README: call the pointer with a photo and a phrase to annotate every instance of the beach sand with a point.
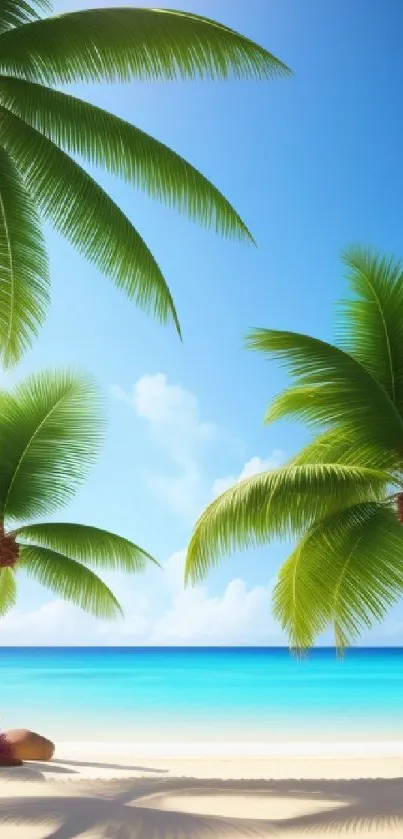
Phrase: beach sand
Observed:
(131, 791)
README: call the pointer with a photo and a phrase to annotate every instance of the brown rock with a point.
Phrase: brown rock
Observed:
(6, 758)
(26, 745)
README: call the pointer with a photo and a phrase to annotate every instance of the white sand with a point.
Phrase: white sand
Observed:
(208, 791)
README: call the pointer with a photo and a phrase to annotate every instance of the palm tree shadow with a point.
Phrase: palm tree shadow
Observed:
(360, 803)
(124, 809)
(367, 802)
(113, 814)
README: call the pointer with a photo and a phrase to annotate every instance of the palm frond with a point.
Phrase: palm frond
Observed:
(24, 279)
(83, 212)
(121, 43)
(370, 325)
(17, 12)
(344, 390)
(280, 503)
(293, 403)
(69, 580)
(8, 590)
(344, 445)
(124, 150)
(347, 571)
(50, 432)
(89, 545)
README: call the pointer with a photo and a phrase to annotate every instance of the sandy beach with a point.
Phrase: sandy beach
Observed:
(113, 791)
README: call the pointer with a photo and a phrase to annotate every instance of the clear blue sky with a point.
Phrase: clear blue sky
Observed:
(312, 164)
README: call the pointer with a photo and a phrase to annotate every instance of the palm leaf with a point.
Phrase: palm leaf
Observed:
(124, 150)
(280, 503)
(89, 545)
(7, 590)
(24, 281)
(50, 431)
(16, 12)
(342, 445)
(347, 572)
(86, 216)
(294, 403)
(344, 390)
(370, 326)
(122, 43)
(69, 580)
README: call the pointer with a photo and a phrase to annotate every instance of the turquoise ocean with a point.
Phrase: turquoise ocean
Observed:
(202, 694)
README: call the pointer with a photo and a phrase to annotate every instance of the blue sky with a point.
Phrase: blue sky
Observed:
(312, 164)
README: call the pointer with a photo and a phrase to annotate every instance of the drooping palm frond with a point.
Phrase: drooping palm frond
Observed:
(8, 590)
(40, 127)
(83, 212)
(282, 503)
(24, 279)
(122, 149)
(16, 12)
(50, 431)
(69, 580)
(344, 390)
(89, 545)
(347, 571)
(370, 325)
(119, 44)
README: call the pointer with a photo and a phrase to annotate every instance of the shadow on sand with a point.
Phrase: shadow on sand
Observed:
(123, 809)
(108, 766)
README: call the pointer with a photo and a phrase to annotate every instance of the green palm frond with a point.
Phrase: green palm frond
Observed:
(370, 325)
(122, 149)
(50, 431)
(83, 212)
(281, 503)
(7, 590)
(343, 445)
(89, 545)
(40, 128)
(24, 279)
(69, 580)
(294, 403)
(347, 572)
(122, 43)
(344, 390)
(17, 12)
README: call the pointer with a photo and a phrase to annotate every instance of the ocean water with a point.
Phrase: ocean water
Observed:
(198, 694)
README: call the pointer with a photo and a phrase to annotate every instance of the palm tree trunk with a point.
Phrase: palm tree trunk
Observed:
(8, 550)
(400, 507)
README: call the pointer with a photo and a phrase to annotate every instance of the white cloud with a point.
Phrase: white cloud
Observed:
(252, 467)
(55, 621)
(172, 413)
(159, 611)
(174, 422)
(241, 615)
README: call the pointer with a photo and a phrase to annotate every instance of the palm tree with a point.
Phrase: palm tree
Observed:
(341, 497)
(41, 127)
(50, 431)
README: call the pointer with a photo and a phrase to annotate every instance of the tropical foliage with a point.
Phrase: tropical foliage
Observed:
(50, 431)
(340, 498)
(44, 130)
